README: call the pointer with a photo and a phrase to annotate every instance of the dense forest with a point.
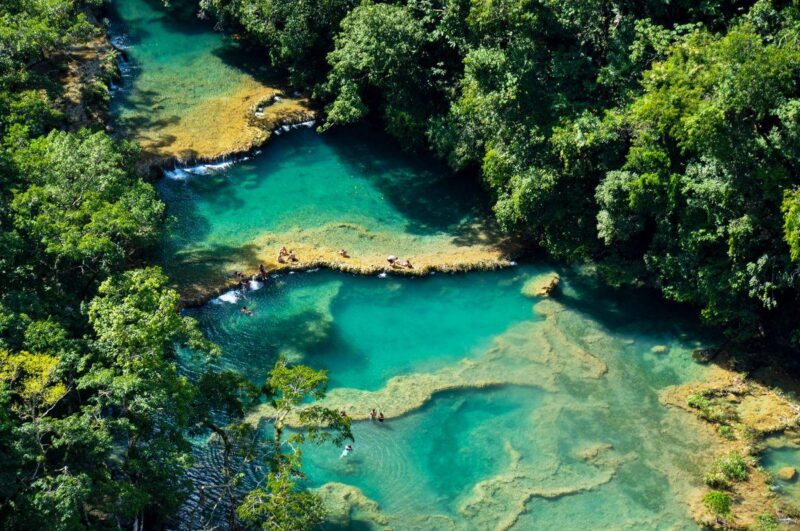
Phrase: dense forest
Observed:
(658, 141)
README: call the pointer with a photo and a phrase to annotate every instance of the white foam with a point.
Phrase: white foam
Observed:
(255, 284)
(231, 297)
(181, 174)
(288, 127)
(382, 275)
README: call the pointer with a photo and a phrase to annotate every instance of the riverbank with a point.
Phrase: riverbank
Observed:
(740, 411)
(218, 274)
(189, 94)
(222, 127)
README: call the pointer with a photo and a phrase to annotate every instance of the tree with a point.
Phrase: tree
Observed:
(379, 55)
(278, 503)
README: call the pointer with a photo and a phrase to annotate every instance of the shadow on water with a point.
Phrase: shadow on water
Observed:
(424, 190)
(617, 309)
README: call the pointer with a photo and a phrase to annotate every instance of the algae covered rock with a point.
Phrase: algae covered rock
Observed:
(787, 473)
(541, 285)
(704, 355)
(659, 349)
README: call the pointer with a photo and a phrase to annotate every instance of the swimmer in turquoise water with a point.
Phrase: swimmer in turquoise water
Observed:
(346, 451)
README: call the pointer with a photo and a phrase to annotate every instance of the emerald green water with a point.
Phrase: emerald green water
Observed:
(534, 414)
(425, 469)
(181, 80)
(364, 330)
(350, 189)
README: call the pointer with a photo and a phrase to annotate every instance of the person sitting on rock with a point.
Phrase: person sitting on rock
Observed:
(292, 257)
(343, 253)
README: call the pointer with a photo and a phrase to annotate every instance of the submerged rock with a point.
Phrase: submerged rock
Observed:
(704, 355)
(787, 473)
(541, 285)
(659, 349)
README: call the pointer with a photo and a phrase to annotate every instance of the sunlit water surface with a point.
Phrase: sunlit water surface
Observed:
(569, 450)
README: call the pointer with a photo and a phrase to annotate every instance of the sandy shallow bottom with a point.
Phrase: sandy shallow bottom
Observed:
(189, 93)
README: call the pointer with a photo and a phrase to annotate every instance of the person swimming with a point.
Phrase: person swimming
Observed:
(346, 451)
(380, 416)
(247, 311)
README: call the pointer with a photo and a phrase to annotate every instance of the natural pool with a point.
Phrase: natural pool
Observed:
(570, 434)
(316, 194)
(502, 410)
(187, 91)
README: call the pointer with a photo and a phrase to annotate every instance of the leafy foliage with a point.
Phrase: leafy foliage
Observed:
(656, 140)
(717, 502)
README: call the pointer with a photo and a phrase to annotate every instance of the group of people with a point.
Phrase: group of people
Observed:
(285, 256)
(396, 262)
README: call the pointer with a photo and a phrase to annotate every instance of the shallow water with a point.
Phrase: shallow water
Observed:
(364, 329)
(350, 189)
(183, 83)
(782, 452)
(571, 448)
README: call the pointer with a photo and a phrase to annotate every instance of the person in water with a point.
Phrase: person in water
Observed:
(247, 311)
(346, 451)
(380, 416)
(373, 414)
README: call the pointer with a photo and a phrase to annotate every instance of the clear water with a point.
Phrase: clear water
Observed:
(364, 330)
(532, 415)
(450, 463)
(185, 85)
(783, 452)
(349, 189)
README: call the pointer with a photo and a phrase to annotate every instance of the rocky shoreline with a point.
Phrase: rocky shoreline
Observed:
(740, 411)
